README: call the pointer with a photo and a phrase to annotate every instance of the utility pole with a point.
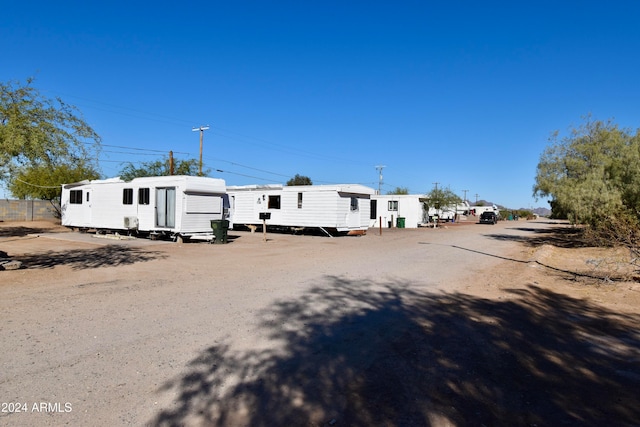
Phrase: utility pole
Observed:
(436, 184)
(476, 199)
(170, 162)
(465, 195)
(379, 168)
(201, 129)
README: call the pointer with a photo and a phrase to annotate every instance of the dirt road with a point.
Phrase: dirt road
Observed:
(465, 325)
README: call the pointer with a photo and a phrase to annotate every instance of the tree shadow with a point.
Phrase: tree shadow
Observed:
(81, 259)
(366, 353)
(19, 231)
(562, 237)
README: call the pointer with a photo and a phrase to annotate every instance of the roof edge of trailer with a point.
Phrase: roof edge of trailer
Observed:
(342, 188)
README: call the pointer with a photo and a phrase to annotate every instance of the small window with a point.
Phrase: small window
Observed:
(143, 196)
(88, 196)
(299, 200)
(75, 197)
(127, 196)
(354, 203)
(274, 202)
(393, 205)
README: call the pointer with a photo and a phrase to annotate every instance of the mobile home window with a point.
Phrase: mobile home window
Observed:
(354, 203)
(75, 197)
(393, 205)
(274, 202)
(127, 196)
(88, 196)
(143, 196)
(299, 200)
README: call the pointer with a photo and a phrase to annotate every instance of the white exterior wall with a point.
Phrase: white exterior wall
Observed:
(326, 206)
(409, 207)
(199, 210)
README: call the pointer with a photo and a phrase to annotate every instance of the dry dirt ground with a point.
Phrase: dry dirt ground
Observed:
(512, 324)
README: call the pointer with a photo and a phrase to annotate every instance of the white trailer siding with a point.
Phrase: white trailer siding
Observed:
(172, 205)
(341, 207)
(391, 206)
(200, 209)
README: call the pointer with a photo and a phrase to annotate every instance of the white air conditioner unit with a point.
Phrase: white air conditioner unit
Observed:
(130, 222)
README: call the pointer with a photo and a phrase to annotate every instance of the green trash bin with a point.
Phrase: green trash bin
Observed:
(400, 222)
(220, 228)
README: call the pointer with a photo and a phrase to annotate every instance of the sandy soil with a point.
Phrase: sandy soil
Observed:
(512, 324)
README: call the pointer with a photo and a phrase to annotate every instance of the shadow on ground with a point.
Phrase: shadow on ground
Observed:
(562, 237)
(365, 353)
(80, 259)
(19, 231)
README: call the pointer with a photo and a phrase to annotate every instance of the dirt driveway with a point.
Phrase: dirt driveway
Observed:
(512, 324)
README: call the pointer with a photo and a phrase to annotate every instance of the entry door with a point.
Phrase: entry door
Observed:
(353, 217)
(88, 199)
(166, 207)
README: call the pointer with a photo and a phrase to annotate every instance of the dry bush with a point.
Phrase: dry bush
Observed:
(616, 231)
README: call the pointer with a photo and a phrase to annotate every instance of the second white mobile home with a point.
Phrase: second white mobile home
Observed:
(389, 207)
(342, 209)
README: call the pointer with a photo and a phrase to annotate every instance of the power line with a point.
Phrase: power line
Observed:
(250, 167)
(280, 147)
(145, 114)
(246, 176)
(34, 185)
(129, 153)
(216, 130)
(141, 149)
(146, 151)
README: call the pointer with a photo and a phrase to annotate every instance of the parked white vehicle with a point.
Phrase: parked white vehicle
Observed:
(178, 207)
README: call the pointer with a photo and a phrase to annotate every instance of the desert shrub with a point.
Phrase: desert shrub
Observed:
(621, 230)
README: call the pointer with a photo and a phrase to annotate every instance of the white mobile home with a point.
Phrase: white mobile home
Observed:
(451, 212)
(386, 209)
(331, 208)
(165, 206)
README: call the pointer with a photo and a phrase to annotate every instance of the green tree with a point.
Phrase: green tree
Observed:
(161, 168)
(399, 190)
(299, 180)
(44, 182)
(441, 197)
(592, 174)
(39, 132)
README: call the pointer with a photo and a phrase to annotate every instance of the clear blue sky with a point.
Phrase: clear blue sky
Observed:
(462, 93)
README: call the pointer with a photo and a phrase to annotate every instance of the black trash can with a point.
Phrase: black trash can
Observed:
(220, 229)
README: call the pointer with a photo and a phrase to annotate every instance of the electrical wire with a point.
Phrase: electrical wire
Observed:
(220, 132)
(35, 185)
